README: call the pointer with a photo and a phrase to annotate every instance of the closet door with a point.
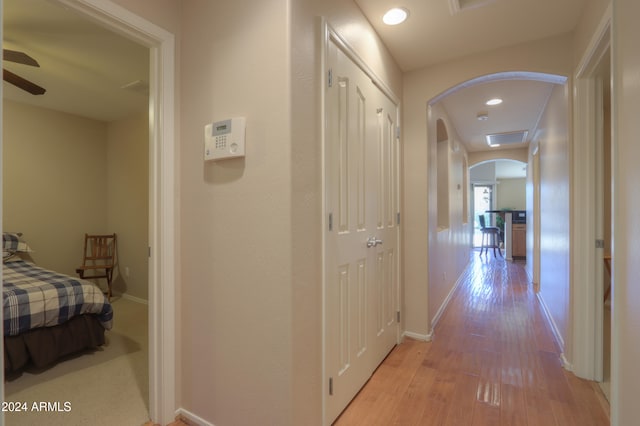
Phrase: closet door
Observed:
(361, 255)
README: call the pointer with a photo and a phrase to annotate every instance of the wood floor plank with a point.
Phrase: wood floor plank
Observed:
(538, 406)
(493, 361)
(460, 409)
(512, 408)
(485, 415)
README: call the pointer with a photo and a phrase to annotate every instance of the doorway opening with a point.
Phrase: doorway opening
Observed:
(592, 204)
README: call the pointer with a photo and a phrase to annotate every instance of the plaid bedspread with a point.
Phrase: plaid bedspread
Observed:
(34, 297)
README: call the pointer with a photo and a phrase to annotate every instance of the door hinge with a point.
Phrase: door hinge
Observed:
(330, 78)
(599, 243)
(397, 132)
(330, 385)
(330, 221)
(149, 252)
(398, 218)
(398, 316)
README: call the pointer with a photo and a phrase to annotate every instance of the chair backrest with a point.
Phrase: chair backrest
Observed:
(99, 250)
(482, 222)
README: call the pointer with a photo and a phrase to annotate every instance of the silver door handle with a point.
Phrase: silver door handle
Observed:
(373, 241)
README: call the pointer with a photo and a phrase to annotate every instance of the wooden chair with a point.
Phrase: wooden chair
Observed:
(99, 258)
(490, 237)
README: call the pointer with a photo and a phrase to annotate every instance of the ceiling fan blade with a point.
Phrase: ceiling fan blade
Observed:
(19, 57)
(23, 84)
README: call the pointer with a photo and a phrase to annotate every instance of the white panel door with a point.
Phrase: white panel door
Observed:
(361, 259)
(386, 229)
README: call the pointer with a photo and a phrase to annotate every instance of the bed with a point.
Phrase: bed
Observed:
(47, 315)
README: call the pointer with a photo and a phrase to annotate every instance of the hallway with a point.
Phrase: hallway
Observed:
(493, 361)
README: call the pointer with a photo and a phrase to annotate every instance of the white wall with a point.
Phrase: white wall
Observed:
(250, 287)
(517, 154)
(511, 194)
(483, 173)
(128, 201)
(553, 140)
(236, 279)
(54, 181)
(626, 199)
(448, 247)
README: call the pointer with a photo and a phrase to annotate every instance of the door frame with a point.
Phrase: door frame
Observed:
(162, 217)
(586, 260)
(534, 253)
(330, 35)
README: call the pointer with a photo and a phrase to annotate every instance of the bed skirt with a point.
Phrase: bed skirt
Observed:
(41, 347)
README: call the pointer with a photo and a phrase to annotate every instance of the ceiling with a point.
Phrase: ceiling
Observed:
(443, 30)
(523, 102)
(84, 66)
(433, 34)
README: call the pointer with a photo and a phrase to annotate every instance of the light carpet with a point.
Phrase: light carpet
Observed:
(108, 386)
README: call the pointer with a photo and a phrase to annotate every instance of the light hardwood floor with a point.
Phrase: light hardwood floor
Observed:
(493, 361)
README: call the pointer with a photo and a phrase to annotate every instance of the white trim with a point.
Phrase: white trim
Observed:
(586, 264)
(133, 298)
(416, 336)
(598, 45)
(324, 47)
(191, 418)
(162, 217)
(333, 36)
(500, 76)
(445, 303)
(552, 324)
(565, 362)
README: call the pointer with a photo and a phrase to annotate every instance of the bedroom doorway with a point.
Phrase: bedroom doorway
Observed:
(161, 220)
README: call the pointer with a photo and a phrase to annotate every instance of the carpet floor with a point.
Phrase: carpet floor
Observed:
(108, 386)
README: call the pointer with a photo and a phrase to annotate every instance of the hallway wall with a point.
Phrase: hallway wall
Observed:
(626, 198)
(449, 247)
(249, 330)
(553, 141)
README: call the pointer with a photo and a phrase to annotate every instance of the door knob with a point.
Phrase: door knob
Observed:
(373, 241)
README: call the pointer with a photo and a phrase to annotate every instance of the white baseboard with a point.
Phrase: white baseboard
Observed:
(134, 298)
(565, 362)
(554, 328)
(191, 418)
(416, 336)
(446, 301)
(429, 337)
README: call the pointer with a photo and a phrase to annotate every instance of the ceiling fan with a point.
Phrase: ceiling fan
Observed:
(16, 80)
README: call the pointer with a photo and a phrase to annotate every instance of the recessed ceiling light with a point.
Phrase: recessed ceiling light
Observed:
(395, 16)
(495, 101)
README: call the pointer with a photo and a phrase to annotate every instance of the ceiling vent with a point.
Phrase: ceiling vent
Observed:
(457, 6)
(507, 138)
